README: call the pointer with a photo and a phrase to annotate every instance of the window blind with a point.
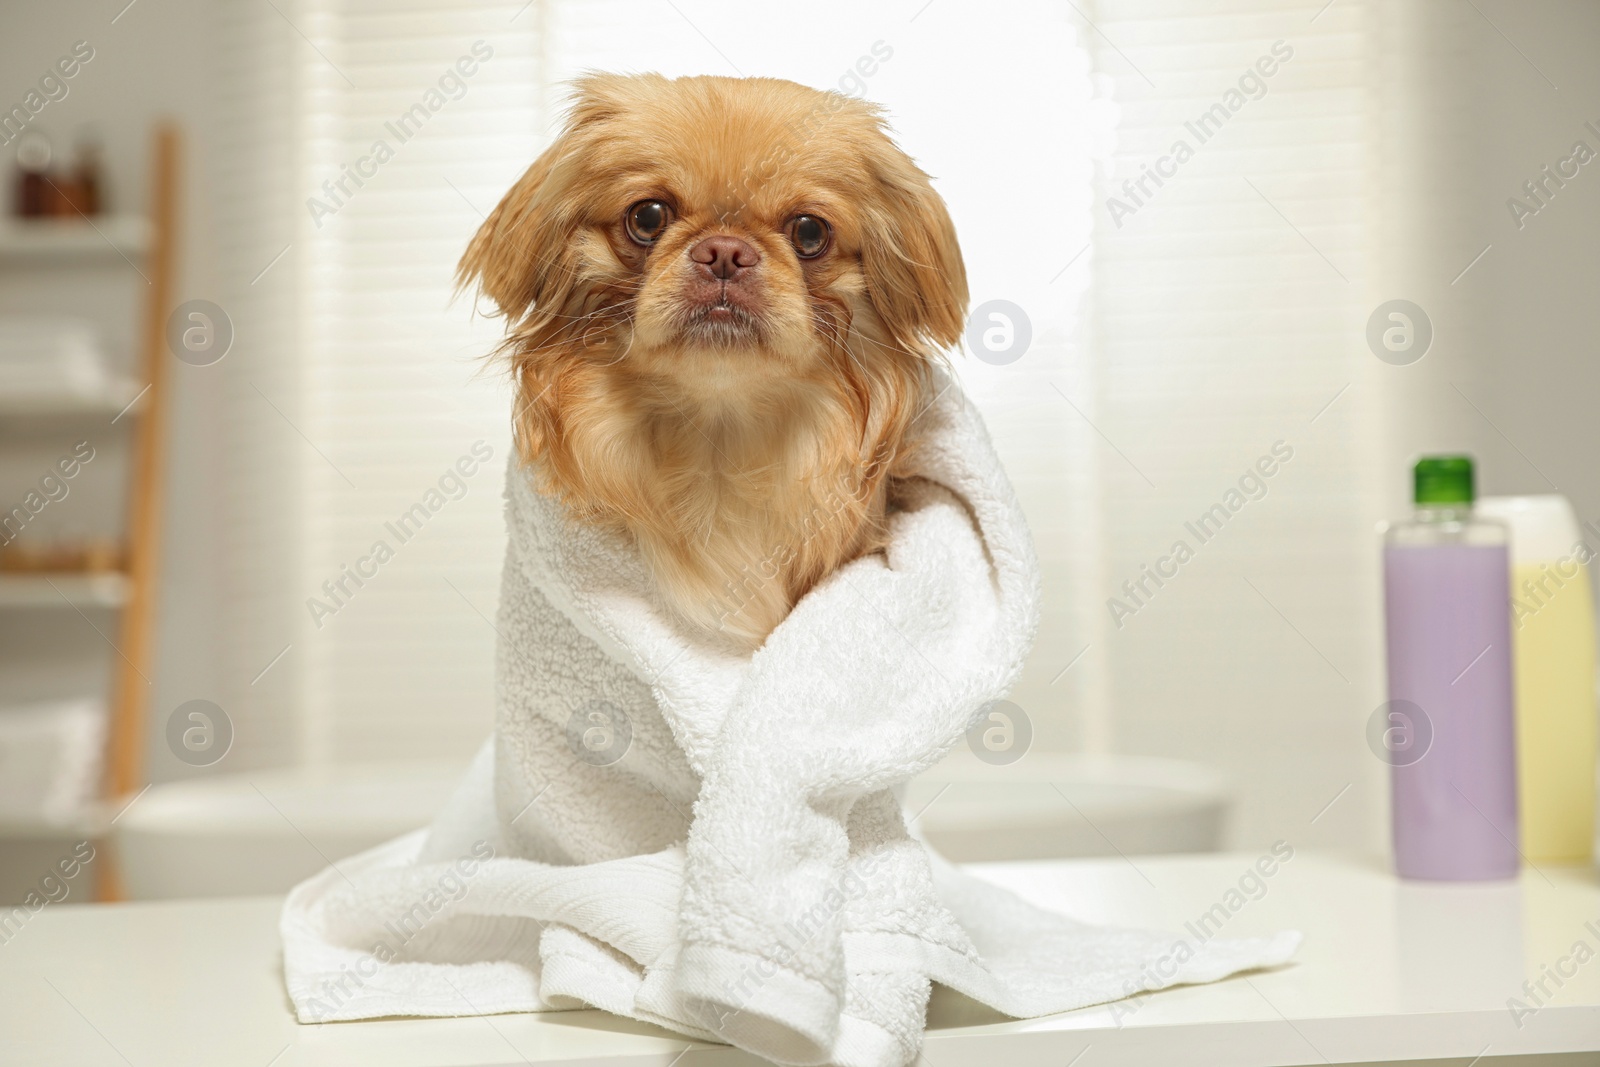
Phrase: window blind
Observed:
(1229, 303)
(370, 437)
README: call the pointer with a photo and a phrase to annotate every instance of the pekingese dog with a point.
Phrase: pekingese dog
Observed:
(725, 301)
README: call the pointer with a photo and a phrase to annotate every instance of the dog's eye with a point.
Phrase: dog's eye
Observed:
(810, 236)
(647, 220)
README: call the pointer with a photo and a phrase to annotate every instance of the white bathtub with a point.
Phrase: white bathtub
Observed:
(245, 834)
(1053, 806)
(238, 835)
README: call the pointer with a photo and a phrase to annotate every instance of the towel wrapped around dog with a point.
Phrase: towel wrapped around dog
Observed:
(676, 832)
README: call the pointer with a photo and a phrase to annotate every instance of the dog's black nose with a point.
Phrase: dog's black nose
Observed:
(724, 257)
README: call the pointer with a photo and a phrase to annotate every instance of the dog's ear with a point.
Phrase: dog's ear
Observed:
(518, 245)
(915, 277)
(520, 256)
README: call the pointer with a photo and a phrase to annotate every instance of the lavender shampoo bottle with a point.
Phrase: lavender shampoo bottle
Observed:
(1448, 729)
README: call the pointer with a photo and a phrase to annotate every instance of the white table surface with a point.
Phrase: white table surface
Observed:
(1388, 971)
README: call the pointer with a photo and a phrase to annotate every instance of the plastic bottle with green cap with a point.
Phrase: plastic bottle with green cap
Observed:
(1448, 730)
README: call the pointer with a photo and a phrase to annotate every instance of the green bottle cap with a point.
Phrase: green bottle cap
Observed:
(1443, 480)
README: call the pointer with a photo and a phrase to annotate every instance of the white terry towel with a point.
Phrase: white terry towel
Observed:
(793, 915)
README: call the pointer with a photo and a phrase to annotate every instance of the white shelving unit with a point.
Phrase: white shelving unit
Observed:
(111, 399)
(58, 239)
(91, 823)
(62, 251)
(64, 243)
(117, 271)
(70, 590)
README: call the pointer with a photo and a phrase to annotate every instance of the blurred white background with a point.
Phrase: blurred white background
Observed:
(1173, 345)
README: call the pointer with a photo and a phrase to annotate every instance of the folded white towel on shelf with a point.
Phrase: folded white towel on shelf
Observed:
(677, 833)
(50, 355)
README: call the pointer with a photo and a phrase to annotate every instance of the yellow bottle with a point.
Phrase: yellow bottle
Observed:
(1554, 655)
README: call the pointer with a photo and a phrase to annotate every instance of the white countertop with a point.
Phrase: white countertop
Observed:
(1388, 971)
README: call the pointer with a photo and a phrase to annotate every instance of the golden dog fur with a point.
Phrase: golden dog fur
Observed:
(748, 446)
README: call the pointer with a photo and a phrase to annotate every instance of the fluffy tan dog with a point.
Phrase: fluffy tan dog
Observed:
(724, 300)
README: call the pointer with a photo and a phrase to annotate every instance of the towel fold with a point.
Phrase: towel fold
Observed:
(669, 830)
